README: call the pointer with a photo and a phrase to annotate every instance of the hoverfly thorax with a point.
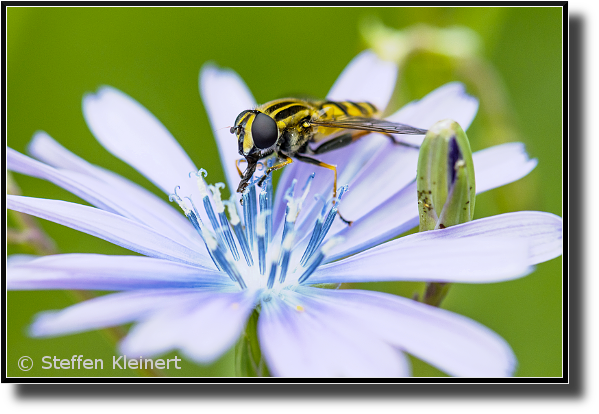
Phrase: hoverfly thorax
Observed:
(255, 131)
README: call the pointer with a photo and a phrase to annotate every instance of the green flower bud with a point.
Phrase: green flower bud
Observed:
(446, 190)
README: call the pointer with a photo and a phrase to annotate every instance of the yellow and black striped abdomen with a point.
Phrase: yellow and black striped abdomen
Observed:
(332, 110)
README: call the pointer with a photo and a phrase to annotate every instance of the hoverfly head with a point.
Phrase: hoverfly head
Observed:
(255, 131)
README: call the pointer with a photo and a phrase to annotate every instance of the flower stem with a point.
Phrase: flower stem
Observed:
(248, 356)
(27, 233)
(434, 293)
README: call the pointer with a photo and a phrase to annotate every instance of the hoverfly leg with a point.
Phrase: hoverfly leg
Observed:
(247, 175)
(348, 222)
(331, 167)
(261, 180)
(275, 167)
(237, 167)
(339, 142)
(404, 144)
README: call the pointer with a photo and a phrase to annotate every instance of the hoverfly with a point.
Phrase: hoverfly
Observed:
(285, 127)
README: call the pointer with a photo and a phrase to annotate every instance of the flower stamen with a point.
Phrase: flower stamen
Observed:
(326, 248)
(262, 244)
(238, 229)
(223, 226)
(250, 211)
(256, 239)
(285, 255)
(322, 226)
(220, 255)
(193, 216)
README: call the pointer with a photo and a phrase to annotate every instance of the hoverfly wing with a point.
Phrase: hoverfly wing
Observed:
(371, 124)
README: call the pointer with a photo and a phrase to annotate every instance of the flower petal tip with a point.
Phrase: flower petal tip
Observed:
(41, 326)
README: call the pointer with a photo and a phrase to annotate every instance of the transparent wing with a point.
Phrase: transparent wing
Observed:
(371, 124)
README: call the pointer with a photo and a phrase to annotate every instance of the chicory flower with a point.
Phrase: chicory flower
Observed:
(198, 280)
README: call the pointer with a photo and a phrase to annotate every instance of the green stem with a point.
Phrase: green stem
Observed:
(248, 356)
(435, 293)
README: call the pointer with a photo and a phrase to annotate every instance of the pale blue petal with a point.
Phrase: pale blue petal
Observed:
(282, 346)
(392, 168)
(467, 260)
(391, 218)
(130, 132)
(366, 79)
(110, 310)
(451, 342)
(103, 272)
(46, 149)
(108, 226)
(449, 101)
(203, 329)
(19, 259)
(311, 342)
(501, 165)
(541, 231)
(103, 196)
(217, 325)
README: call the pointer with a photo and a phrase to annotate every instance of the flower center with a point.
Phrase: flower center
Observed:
(274, 259)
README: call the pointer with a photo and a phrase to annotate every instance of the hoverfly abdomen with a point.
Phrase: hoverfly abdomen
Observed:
(334, 110)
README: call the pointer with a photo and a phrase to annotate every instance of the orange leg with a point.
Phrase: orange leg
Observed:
(275, 167)
(237, 166)
(331, 167)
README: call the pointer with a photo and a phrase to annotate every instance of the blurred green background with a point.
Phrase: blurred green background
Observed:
(55, 55)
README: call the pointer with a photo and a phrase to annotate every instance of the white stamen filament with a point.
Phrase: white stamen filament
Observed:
(216, 198)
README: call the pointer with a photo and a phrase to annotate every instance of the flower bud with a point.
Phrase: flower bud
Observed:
(446, 190)
(445, 185)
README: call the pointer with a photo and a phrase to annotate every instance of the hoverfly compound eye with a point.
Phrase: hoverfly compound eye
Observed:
(264, 131)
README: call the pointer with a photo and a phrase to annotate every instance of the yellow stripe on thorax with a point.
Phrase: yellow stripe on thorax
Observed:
(248, 141)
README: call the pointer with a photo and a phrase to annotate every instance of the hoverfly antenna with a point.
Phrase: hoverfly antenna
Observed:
(231, 128)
